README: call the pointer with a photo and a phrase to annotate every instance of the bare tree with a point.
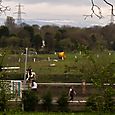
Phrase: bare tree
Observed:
(3, 8)
(99, 14)
(111, 5)
(112, 10)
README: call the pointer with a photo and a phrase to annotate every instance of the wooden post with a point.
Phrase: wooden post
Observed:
(83, 87)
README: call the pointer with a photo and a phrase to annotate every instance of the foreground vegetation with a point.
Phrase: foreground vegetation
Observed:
(95, 67)
(58, 113)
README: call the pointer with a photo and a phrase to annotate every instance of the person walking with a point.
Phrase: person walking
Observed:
(72, 93)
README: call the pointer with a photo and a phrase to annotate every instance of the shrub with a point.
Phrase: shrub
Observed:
(91, 105)
(47, 101)
(5, 95)
(100, 103)
(63, 103)
(30, 100)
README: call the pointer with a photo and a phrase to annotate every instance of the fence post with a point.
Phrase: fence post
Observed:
(83, 85)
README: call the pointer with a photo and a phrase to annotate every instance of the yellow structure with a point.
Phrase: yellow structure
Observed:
(61, 55)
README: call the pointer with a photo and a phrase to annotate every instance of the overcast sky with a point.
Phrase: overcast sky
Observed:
(62, 12)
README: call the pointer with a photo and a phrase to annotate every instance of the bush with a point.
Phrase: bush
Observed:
(3, 101)
(91, 105)
(47, 101)
(63, 103)
(5, 95)
(100, 103)
(30, 100)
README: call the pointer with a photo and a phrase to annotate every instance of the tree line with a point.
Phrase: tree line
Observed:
(65, 38)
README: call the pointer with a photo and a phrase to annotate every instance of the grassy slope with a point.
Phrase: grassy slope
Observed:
(42, 68)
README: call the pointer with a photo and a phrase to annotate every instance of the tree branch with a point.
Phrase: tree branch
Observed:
(3, 9)
(99, 15)
(112, 7)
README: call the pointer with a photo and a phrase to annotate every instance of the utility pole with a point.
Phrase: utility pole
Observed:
(25, 67)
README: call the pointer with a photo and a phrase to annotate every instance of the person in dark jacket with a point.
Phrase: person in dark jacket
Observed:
(72, 93)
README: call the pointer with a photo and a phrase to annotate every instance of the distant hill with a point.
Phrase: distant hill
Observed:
(57, 22)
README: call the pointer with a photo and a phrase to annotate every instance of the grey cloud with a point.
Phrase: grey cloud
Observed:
(70, 2)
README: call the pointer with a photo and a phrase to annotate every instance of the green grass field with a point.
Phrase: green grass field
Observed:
(42, 66)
